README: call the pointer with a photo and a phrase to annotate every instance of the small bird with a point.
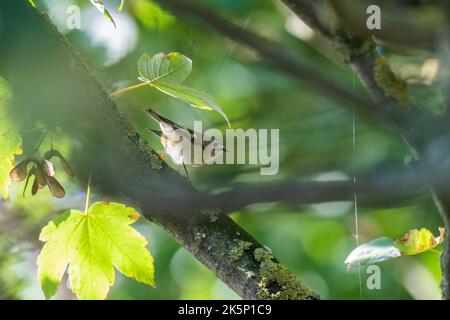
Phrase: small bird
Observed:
(172, 136)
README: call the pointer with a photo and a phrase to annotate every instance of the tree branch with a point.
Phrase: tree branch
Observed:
(53, 86)
(391, 190)
(389, 117)
(359, 54)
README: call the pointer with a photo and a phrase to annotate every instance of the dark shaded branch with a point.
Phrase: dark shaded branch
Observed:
(269, 50)
(396, 32)
(276, 57)
(385, 111)
(381, 192)
(53, 86)
(360, 55)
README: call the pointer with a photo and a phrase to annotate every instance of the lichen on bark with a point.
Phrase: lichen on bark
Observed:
(351, 47)
(277, 282)
(237, 251)
(391, 85)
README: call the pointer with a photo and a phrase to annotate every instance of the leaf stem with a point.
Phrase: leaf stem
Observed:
(41, 139)
(122, 90)
(51, 139)
(88, 194)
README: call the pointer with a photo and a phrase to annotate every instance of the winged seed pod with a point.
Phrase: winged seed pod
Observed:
(66, 166)
(35, 187)
(30, 174)
(55, 187)
(40, 176)
(49, 168)
(39, 181)
(43, 172)
(19, 172)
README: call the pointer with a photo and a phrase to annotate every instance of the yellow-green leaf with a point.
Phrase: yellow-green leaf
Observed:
(417, 241)
(150, 15)
(381, 249)
(10, 140)
(120, 8)
(91, 245)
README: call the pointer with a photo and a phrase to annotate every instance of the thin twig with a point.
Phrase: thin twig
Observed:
(393, 190)
(123, 90)
(88, 194)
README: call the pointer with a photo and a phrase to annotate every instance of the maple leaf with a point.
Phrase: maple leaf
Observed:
(417, 241)
(91, 244)
(10, 140)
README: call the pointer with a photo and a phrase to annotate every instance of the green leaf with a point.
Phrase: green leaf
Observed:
(173, 67)
(166, 72)
(10, 140)
(120, 8)
(101, 7)
(91, 245)
(150, 15)
(417, 241)
(375, 251)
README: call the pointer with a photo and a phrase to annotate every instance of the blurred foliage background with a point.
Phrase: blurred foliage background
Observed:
(315, 143)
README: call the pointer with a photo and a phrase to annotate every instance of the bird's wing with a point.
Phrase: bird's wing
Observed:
(159, 118)
(156, 132)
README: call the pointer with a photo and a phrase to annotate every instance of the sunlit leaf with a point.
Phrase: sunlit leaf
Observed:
(166, 72)
(151, 15)
(120, 8)
(101, 7)
(413, 242)
(418, 241)
(91, 245)
(173, 67)
(195, 97)
(10, 140)
(375, 251)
